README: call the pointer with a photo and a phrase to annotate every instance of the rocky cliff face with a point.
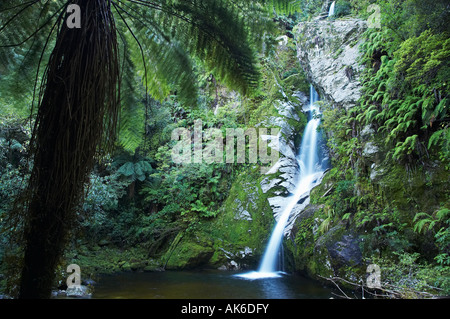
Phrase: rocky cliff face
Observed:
(281, 178)
(328, 51)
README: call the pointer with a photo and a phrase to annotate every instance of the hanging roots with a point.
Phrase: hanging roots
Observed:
(78, 106)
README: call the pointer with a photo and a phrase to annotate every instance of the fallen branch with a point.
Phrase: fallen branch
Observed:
(327, 192)
(388, 290)
(337, 286)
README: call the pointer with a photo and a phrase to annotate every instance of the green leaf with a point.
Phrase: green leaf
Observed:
(126, 169)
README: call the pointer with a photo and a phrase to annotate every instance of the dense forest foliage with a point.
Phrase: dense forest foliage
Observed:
(138, 204)
(402, 207)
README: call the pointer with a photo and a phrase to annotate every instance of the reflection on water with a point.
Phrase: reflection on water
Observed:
(276, 288)
(205, 285)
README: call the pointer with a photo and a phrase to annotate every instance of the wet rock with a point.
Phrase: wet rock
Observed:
(328, 52)
(268, 183)
(79, 292)
(223, 268)
(340, 248)
(287, 109)
(246, 252)
(240, 212)
(370, 151)
(287, 169)
(367, 133)
(88, 282)
(233, 265)
(346, 251)
(228, 254)
(236, 261)
(376, 172)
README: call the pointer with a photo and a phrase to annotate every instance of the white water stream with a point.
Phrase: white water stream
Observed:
(310, 172)
(331, 11)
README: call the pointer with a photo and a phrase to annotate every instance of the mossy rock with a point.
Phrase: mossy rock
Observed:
(246, 217)
(110, 260)
(153, 265)
(336, 252)
(243, 224)
(188, 254)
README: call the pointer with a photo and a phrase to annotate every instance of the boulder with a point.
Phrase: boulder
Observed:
(188, 252)
(339, 250)
(371, 151)
(78, 292)
(346, 251)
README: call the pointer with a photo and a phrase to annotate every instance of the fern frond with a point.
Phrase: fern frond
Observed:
(201, 29)
(443, 213)
(420, 225)
(27, 30)
(325, 225)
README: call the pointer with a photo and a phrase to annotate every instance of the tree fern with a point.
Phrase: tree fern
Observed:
(135, 171)
(80, 95)
(132, 119)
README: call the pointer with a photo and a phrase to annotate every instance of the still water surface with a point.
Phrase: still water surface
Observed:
(205, 285)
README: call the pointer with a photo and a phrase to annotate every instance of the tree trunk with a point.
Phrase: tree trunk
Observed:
(79, 103)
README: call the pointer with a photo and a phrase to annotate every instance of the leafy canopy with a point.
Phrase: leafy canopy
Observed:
(161, 41)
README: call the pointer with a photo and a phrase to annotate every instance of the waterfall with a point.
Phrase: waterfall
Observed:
(331, 12)
(311, 168)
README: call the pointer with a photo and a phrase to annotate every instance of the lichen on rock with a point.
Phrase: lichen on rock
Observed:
(328, 52)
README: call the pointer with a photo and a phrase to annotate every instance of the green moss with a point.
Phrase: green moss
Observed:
(237, 228)
(190, 252)
(302, 244)
(109, 260)
(244, 221)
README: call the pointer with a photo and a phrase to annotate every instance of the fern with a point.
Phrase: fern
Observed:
(426, 222)
(408, 93)
(203, 29)
(442, 214)
(26, 35)
(135, 171)
(161, 36)
(325, 225)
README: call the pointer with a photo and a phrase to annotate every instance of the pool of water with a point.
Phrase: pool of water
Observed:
(207, 284)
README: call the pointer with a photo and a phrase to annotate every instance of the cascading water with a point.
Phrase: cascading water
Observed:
(311, 168)
(331, 11)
